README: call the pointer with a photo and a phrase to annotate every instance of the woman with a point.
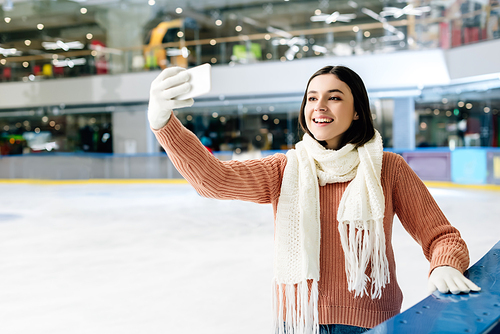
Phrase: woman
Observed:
(334, 198)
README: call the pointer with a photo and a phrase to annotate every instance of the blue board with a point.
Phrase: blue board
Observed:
(468, 166)
(477, 312)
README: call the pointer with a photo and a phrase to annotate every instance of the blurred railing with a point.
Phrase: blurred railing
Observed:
(430, 164)
(476, 312)
(411, 33)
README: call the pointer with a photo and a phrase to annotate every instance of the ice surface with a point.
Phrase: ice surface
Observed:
(146, 258)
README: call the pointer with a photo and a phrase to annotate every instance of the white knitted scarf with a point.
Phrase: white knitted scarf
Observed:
(297, 234)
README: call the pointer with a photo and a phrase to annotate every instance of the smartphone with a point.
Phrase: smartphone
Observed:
(200, 80)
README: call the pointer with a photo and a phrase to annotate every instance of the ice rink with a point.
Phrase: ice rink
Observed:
(158, 258)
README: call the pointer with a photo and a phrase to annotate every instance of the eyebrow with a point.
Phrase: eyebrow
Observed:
(330, 91)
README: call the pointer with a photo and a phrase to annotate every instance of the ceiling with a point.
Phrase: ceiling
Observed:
(64, 20)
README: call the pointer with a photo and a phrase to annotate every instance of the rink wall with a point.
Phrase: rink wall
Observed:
(462, 165)
(468, 166)
(88, 166)
(477, 312)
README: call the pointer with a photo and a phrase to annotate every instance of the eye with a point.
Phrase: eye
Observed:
(335, 98)
(311, 98)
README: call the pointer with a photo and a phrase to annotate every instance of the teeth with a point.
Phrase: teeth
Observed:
(323, 120)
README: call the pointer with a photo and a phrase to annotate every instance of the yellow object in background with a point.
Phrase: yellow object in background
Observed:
(496, 167)
(47, 70)
(155, 54)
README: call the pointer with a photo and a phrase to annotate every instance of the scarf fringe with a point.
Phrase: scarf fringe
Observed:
(294, 310)
(364, 242)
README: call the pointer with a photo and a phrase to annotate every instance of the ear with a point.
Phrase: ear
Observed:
(356, 117)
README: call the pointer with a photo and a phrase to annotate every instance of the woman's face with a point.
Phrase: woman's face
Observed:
(329, 109)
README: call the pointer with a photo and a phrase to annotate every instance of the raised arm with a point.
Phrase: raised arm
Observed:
(252, 180)
(441, 242)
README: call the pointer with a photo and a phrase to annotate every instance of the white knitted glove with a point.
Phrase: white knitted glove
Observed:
(171, 82)
(448, 279)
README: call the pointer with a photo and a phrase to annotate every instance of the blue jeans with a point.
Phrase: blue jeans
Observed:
(341, 329)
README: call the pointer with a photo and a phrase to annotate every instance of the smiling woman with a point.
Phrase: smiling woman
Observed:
(329, 111)
(346, 97)
(334, 199)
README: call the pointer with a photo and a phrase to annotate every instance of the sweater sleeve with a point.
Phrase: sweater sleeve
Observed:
(425, 222)
(256, 180)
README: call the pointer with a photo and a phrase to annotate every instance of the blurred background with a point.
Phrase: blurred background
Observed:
(87, 248)
(75, 75)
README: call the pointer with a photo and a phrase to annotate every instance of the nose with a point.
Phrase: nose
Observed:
(320, 106)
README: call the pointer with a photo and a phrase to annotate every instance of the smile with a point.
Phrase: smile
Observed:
(322, 120)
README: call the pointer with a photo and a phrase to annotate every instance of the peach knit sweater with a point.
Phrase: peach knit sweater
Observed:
(259, 181)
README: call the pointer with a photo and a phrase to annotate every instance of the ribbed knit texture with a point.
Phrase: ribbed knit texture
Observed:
(259, 181)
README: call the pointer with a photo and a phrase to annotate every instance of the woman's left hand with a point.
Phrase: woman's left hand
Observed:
(448, 279)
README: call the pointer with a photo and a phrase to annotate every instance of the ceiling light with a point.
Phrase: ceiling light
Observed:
(366, 34)
(83, 10)
(355, 28)
(184, 52)
(398, 35)
(213, 42)
(27, 42)
(7, 19)
(178, 10)
(218, 22)
(238, 28)
(39, 26)
(151, 2)
(3, 61)
(25, 64)
(352, 4)
(89, 36)
(279, 32)
(9, 52)
(180, 34)
(334, 17)
(319, 49)
(408, 10)
(103, 49)
(70, 62)
(62, 45)
(317, 12)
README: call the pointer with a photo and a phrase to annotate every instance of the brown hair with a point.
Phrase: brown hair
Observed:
(361, 130)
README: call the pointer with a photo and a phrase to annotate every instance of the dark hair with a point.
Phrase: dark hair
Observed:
(361, 130)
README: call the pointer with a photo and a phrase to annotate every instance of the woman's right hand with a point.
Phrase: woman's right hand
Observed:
(171, 82)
